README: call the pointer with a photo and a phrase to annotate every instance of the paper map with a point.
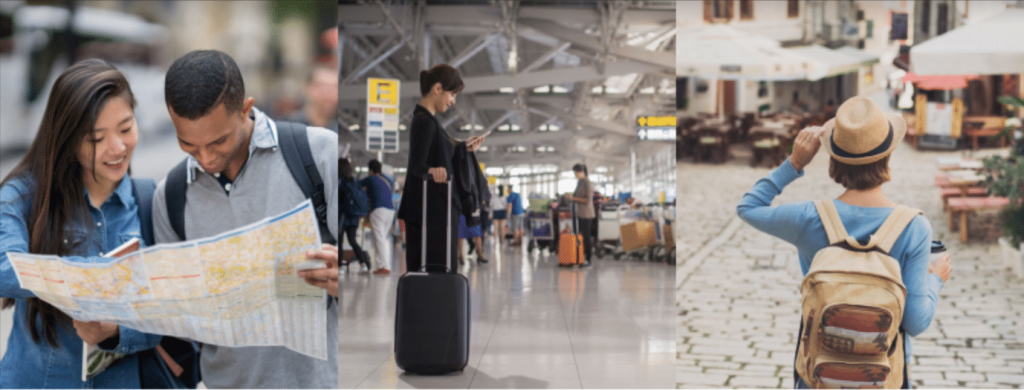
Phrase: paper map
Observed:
(235, 289)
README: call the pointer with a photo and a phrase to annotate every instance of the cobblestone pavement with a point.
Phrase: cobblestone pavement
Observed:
(738, 298)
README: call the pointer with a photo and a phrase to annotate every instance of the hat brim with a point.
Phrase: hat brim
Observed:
(899, 130)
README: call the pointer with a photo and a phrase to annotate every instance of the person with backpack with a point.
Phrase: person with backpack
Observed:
(354, 206)
(71, 196)
(868, 281)
(382, 214)
(242, 166)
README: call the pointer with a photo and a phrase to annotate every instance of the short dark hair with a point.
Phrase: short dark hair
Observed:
(440, 73)
(859, 177)
(375, 166)
(200, 81)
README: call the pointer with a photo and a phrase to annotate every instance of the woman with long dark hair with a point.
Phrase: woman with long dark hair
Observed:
(71, 196)
(430, 159)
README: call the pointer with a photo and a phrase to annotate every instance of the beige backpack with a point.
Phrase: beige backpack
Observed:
(853, 297)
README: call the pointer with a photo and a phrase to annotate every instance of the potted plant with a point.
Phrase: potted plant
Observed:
(1013, 129)
(1005, 177)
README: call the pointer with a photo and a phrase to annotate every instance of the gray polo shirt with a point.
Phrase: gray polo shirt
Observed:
(264, 187)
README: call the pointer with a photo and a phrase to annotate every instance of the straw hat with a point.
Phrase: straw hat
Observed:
(861, 133)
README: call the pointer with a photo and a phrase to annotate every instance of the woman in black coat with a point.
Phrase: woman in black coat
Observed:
(430, 159)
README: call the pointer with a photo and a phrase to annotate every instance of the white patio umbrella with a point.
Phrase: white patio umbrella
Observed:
(721, 52)
(988, 47)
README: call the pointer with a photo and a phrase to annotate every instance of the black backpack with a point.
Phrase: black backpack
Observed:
(295, 147)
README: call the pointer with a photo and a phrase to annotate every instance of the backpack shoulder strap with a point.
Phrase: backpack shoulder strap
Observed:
(175, 189)
(886, 235)
(830, 220)
(143, 190)
(295, 148)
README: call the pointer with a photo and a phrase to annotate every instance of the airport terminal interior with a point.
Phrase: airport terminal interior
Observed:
(559, 85)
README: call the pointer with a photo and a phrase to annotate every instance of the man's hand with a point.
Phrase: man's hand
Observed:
(325, 278)
(806, 145)
(440, 174)
(941, 267)
(474, 143)
(93, 332)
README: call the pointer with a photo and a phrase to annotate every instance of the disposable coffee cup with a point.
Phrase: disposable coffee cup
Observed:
(938, 248)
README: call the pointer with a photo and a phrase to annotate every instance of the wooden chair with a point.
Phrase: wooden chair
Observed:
(711, 143)
(967, 206)
(985, 126)
(948, 192)
(747, 121)
(767, 147)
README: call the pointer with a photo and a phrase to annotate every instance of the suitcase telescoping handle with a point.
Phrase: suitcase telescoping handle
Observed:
(448, 230)
(575, 219)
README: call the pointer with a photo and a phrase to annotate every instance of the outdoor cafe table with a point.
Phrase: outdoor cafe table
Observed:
(775, 128)
(963, 180)
(957, 163)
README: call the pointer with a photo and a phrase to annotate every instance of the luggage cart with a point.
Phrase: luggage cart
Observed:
(542, 230)
(627, 216)
(656, 213)
(608, 231)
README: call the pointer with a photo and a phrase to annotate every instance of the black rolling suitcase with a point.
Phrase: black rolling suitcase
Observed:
(432, 313)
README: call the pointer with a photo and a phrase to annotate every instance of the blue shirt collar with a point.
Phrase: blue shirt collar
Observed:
(264, 136)
(122, 193)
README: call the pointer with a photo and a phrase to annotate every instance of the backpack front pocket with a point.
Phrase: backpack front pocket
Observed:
(835, 375)
(856, 329)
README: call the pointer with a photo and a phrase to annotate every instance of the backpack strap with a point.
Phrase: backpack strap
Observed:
(143, 190)
(834, 228)
(884, 238)
(886, 235)
(174, 196)
(295, 148)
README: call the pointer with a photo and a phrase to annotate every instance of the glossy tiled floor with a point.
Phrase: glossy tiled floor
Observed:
(534, 325)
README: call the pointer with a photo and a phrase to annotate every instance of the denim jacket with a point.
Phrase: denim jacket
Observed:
(27, 364)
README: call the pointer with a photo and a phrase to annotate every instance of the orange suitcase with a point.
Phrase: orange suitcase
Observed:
(570, 245)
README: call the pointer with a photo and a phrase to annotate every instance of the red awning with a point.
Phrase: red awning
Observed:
(939, 82)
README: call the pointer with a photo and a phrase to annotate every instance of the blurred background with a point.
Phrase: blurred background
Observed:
(286, 51)
(277, 45)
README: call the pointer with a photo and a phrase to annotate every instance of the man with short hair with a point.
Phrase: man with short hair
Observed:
(320, 108)
(236, 175)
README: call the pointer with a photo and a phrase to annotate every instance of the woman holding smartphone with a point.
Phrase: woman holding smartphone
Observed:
(430, 159)
(71, 196)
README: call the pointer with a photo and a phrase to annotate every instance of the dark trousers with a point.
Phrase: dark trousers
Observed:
(588, 237)
(350, 232)
(435, 239)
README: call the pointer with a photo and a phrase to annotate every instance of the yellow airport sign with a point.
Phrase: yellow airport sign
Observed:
(383, 92)
(657, 121)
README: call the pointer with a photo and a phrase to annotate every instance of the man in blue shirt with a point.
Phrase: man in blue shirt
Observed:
(516, 215)
(382, 214)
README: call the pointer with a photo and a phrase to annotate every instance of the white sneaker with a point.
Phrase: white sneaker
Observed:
(364, 269)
